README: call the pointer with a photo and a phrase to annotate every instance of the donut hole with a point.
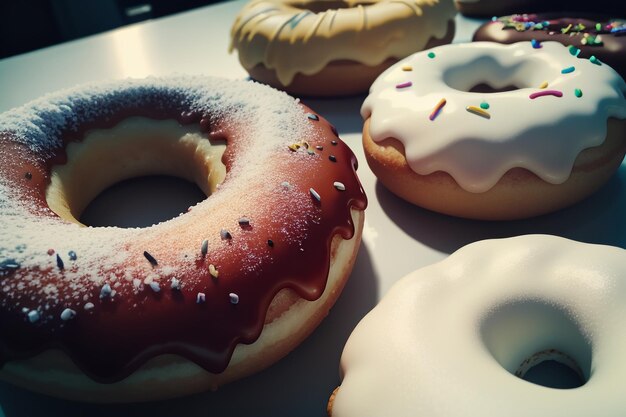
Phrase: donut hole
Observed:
(320, 6)
(531, 338)
(487, 75)
(135, 148)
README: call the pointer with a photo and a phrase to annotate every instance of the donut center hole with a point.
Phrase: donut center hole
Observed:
(538, 342)
(486, 75)
(135, 174)
(322, 6)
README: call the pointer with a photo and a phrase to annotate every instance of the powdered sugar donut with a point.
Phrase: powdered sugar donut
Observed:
(335, 48)
(450, 339)
(111, 314)
(493, 131)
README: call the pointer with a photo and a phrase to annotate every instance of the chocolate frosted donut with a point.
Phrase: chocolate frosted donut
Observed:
(109, 314)
(488, 8)
(590, 35)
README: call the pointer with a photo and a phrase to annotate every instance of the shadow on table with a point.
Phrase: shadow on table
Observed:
(344, 113)
(600, 218)
(299, 384)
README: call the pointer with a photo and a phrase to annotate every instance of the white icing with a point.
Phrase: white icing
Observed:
(425, 350)
(543, 135)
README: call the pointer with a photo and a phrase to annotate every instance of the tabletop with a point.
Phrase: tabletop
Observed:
(398, 237)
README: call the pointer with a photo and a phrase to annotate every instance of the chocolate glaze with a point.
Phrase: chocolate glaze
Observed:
(121, 333)
(517, 28)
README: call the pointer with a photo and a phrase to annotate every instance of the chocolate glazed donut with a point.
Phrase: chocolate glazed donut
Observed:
(489, 8)
(589, 34)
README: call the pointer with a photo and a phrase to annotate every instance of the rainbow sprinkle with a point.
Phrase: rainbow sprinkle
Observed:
(407, 68)
(431, 55)
(437, 109)
(573, 50)
(543, 84)
(555, 93)
(404, 85)
(567, 70)
(535, 43)
(578, 92)
(595, 60)
(478, 111)
(484, 105)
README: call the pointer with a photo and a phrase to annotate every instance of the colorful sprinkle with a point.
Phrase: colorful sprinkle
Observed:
(437, 109)
(204, 248)
(543, 84)
(578, 92)
(315, 195)
(7, 266)
(28, 176)
(567, 70)
(294, 147)
(105, 291)
(213, 271)
(555, 93)
(200, 298)
(72, 255)
(313, 116)
(339, 185)
(494, 18)
(333, 158)
(270, 243)
(319, 147)
(535, 43)
(68, 314)
(431, 55)
(244, 221)
(155, 286)
(175, 283)
(234, 298)
(50, 252)
(60, 262)
(595, 60)
(33, 316)
(150, 258)
(598, 27)
(573, 50)
(566, 29)
(225, 234)
(484, 105)
(404, 85)
(407, 68)
(478, 111)
(88, 306)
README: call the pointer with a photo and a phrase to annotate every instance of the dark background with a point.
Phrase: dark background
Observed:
(26, 25)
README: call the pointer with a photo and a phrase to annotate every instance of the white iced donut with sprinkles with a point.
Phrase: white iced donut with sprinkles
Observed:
(109, 314)
(453, 339)
(492, 131)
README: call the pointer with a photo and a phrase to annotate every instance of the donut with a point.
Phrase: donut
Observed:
(489, 8)
(107, 314)
(336, 48)
(591, 35)
(455, 338)
(495, 132)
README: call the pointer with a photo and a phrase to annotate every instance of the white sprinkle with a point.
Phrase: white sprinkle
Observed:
(339, 185)
(33, 316)
(105, 291)
(155, 286)
(175, 284)
(234, 298)
(68, 314)
(88, 306)
(315, 195)
(201, 298)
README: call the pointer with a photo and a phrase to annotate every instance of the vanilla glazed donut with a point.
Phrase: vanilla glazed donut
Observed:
(108, 314)
(491, 131)
(335, 48)
(453, 339)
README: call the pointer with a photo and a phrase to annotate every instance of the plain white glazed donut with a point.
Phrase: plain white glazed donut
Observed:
(447, 339)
